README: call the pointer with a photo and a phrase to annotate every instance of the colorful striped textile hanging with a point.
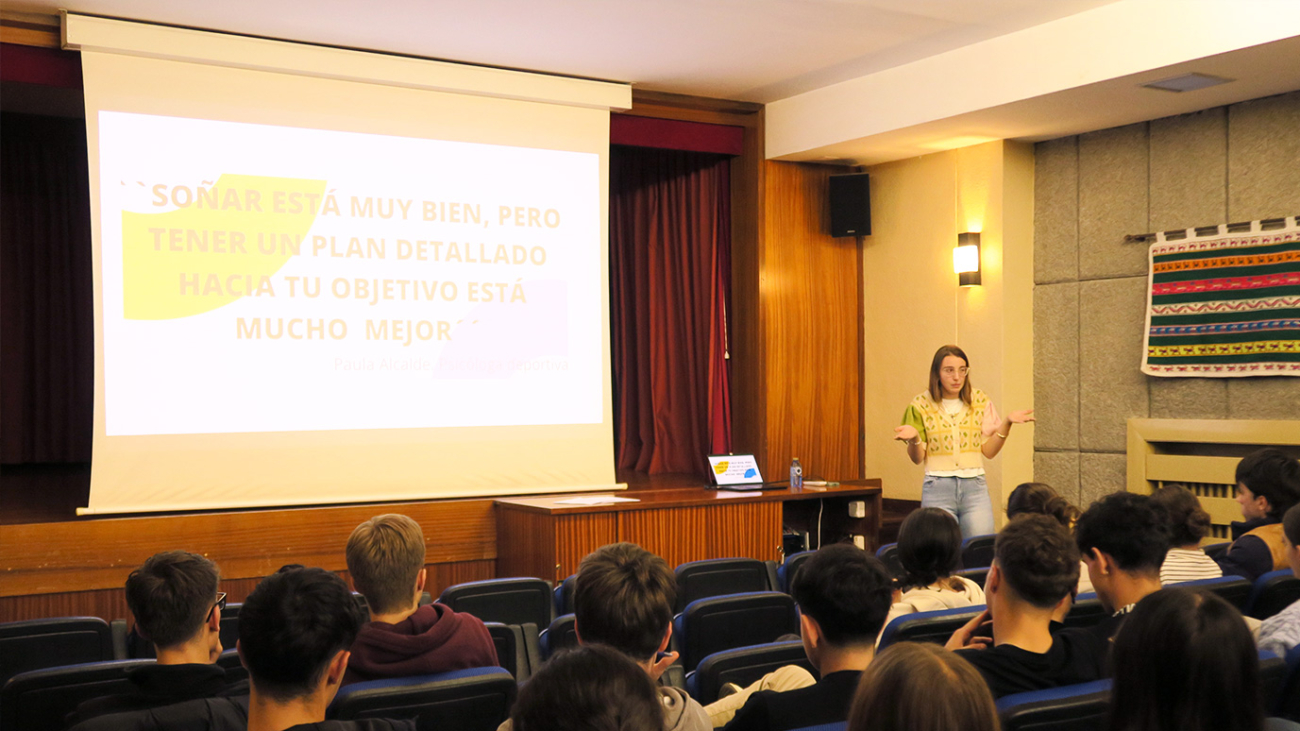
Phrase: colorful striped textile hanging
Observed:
(1225, 305)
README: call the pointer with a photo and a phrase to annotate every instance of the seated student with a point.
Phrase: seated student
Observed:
(176, 604)
(1035, 566)
(294, 632)
(917, 686)
(1281, 632)
(1188, 524)
(1123, 538)
(1039, 498)
(623, 597)
(929, 547)
(1268, 484)
(1184, 661)
(591, 688)
(843, 596)
(385, 558)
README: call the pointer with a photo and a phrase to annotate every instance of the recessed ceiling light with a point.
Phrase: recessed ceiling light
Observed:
(1187, 82)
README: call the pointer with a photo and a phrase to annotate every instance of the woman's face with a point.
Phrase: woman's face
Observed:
(952, 375)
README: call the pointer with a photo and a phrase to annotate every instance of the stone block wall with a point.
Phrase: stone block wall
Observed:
(1227, 164)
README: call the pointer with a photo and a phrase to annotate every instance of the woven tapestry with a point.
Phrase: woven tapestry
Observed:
(1225, 305)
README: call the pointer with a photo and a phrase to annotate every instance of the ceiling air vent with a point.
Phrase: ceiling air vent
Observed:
(1187, 82)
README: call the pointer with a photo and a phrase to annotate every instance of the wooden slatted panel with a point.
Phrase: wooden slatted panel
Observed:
(576, 536)
(677, 535)
(744, 531)
(1191, 468)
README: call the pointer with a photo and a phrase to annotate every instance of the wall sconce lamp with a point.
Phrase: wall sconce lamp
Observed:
(966, 259)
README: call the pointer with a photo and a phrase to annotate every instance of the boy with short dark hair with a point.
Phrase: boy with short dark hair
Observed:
(1123, 538)
(385, 558)
(174, 598)
(1035, 567)
(844, 596)
(1268, 484)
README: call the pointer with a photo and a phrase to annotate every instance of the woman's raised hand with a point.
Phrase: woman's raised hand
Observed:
(1020, 417)
(905, 433)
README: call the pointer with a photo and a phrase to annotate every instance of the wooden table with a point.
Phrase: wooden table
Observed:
(542, 536)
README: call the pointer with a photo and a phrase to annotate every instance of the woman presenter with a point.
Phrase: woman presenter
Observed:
(952, 428)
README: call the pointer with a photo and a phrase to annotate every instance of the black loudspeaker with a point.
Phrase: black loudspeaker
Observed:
(851, 205)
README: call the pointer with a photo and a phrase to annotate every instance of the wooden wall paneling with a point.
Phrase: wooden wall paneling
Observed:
(574, 537)
(677, 535)
(811, 328)
(526, 543)
(443, 575)
(41, 558)
(752, 530)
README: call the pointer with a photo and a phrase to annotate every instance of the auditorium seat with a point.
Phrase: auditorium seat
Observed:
(888, 554)
(1086, 611)
(785, 574)
(736, 620)
(229, 661)
(40, 699)
(564, 596)
(33, 644)
(743, 666)
(1079, 707)
(1272, 676)
(512, 654)
(561, 635)
(517, 600)
(1216, 550)
(935, 626)
(977, 551)
(1273, 592)
(718, 576)
(230, 624)
(1287, 704)
(977, 575)
(1233, 589)
(477, 699)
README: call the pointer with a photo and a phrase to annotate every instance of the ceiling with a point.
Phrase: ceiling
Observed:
(748, 50)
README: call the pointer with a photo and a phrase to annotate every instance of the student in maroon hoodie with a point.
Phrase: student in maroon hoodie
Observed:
(386, 560)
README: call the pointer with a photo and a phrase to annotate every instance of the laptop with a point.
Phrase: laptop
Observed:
(737, 472)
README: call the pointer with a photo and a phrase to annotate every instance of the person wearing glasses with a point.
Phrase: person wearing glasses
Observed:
(952, 428)
(177, 607)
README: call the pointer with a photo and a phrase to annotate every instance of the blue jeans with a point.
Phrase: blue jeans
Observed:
(967, 498)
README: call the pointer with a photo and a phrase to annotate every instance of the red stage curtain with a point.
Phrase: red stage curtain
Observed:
(47, 339)
(670, 238)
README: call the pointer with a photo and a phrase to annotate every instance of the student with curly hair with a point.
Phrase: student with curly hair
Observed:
(1039, 498)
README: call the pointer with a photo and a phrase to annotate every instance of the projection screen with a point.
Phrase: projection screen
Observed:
(328, 276)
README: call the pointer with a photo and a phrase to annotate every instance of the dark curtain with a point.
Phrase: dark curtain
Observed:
(47, 340)
(670, 238)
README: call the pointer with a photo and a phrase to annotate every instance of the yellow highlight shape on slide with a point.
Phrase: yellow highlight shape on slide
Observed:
(721, 467)
(218, 235)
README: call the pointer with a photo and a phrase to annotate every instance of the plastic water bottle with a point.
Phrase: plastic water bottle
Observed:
(796, 475)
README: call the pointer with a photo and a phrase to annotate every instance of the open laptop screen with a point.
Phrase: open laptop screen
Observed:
(735, 469)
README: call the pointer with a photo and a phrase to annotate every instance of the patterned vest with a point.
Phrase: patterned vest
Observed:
(953, 442)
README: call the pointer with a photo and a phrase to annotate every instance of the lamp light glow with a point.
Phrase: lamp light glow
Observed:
(966, 259)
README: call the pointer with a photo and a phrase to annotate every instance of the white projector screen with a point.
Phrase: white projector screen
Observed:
(326, 276)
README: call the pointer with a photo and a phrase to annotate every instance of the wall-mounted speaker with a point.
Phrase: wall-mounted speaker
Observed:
(851, 205)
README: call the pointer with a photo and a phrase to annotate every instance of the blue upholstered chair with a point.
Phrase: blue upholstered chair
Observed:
(977, 551)
(742, 666)
(719, 576)
(561, 635)
(39, 700)
(477, 699)
(888, 555)
(512, 650)
(1273, 592)
(1233, 589)
(927, 626)
(1079, 707)
(508, 601)
(736, 620)
(44, 643)
(785, 574)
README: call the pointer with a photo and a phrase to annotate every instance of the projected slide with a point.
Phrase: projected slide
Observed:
(259, 278)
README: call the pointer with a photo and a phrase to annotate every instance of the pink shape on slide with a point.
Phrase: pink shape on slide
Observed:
(494, 340)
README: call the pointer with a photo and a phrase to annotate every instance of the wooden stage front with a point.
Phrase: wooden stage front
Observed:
(66, 566)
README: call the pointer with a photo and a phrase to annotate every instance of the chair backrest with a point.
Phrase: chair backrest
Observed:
(737, 620)
(45, 643)
(1216, 550)
(512, 654)
(1272, 674)
(977, 575)
(229, 661)
(1086, 611)
(1234, 589)
(719, 576)
(230, 624)
(977, 551)
(935, 626)
(40, 699)
(1079, 707)
(742, 666)
(564, 595)
(477, 699)
(508, 601)
(561, 635)
(1273, 592)
(785, 573)
(888, 555)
